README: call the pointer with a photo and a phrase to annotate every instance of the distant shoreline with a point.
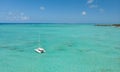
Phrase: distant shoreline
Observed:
(114, 25)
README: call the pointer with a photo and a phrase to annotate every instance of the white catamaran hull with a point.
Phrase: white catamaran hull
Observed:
(40, 50)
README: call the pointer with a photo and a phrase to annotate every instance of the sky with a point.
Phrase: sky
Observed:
(60, 11)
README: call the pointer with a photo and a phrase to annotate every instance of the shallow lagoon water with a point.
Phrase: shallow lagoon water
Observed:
(69, 48)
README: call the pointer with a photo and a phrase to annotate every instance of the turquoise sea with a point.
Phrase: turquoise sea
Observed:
(69, 48)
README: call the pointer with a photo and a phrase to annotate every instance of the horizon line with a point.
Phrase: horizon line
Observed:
(49, 23)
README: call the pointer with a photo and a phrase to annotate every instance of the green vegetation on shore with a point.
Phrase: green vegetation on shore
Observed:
(115, 25)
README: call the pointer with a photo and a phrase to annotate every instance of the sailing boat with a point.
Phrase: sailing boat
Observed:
(39, 49)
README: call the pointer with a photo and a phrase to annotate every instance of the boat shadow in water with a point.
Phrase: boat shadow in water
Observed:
(65, 46)
(12, 48)
(104, 70)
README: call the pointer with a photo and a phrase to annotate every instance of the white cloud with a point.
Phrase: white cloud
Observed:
(42, 8)
(10, 13)
(90, 1)
(21, 13)
(17, 16)
(93, 6)
(101, 10)
(84, 13)
(24, 18)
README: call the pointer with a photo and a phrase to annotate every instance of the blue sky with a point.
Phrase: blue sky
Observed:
(60, 11)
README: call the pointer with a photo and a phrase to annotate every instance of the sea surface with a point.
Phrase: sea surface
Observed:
(69, 48)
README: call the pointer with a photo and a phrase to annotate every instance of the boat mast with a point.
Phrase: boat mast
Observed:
(39, 41)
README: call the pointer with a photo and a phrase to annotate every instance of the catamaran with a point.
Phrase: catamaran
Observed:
(39, 49)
